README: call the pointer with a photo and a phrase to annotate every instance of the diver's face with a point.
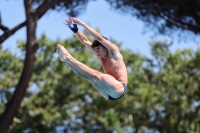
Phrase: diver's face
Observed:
(100, 51)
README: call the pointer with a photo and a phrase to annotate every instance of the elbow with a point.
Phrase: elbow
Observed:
(81, 41)
(84, 41)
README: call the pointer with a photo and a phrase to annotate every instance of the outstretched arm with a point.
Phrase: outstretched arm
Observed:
(84, 40)
(96, 35)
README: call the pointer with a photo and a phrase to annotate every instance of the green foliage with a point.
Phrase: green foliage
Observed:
(162, 94)
(10, 72)
(70, 7)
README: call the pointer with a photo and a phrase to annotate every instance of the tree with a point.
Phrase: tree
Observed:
(161, 97)
(162, 93)
(178, 79)
(164, 16)
(57, 91)
(32, 16)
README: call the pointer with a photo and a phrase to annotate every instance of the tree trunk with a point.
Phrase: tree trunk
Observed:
(14, 104)
(32, 17)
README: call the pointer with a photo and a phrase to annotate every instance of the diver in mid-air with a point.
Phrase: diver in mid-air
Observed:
(111, 84)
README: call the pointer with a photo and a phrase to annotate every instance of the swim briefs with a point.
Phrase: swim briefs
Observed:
(112, 99)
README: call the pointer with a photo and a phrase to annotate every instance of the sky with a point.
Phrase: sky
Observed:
(125, 29)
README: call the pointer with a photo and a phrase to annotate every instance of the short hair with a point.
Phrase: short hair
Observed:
(97, 43)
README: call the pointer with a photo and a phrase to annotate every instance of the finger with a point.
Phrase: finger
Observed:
(72, 18)
(67, 22)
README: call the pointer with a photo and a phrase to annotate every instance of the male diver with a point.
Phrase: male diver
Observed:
(111, 84)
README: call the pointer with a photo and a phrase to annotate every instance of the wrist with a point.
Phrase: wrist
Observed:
(73, 27)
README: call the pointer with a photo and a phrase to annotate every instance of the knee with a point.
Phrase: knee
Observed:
(96, 75)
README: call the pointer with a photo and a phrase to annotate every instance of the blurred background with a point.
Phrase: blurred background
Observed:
(160, 44)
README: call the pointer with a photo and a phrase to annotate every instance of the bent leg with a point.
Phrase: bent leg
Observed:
(99, 80)
(96, 86)
(75, 71)
(100, 89)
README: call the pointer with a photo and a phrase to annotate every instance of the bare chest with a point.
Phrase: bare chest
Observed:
(110, 66)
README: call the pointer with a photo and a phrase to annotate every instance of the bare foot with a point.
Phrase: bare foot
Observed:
(63, 53)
